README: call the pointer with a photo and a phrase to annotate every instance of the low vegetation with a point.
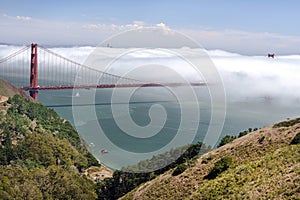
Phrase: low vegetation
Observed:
(260, 165)
(41, 155)
(129, 178)
(35, 129)
(220, 166)
(288, 123)
(273, 176)
(53, 182)
(229, 138)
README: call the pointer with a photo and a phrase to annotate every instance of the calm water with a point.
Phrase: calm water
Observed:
(240, 116)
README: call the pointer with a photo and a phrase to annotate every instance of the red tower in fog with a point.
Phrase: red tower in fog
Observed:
(34, 72)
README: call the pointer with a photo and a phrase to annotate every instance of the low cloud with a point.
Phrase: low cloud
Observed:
(259, 78)
(246, 78)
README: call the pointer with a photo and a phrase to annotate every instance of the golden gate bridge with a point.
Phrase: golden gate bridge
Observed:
(34, 68)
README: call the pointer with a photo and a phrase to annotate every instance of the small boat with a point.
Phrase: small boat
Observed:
(104, 151)
(92, 144)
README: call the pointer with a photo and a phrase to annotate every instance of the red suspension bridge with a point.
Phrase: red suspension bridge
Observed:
(35, 68)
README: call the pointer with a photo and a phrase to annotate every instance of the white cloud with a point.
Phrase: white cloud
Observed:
(25, 18)
(139, 23)
(246, 42)
(17, 30)
(166, 29)
(114, 27)
(18, 17)
(90, 26)
(162, 25)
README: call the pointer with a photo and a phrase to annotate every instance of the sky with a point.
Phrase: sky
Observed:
(246, 27)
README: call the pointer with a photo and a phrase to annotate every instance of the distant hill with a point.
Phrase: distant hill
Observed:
(260, 165)
(8, 90)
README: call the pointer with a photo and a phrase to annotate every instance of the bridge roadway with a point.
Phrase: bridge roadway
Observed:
(66, 87)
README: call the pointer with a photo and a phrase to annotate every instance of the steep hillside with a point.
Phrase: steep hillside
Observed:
(260, 165)
(41, 155)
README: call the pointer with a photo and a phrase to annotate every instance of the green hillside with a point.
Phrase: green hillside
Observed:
(41, 155)
(264, 164)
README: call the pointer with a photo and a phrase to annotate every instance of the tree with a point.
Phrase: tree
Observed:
(179, 169)
(296, 139)
(226, 140)
(3, 158)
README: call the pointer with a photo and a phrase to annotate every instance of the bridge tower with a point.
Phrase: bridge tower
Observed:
(34, 72)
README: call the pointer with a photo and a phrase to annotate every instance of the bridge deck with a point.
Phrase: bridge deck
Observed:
(66, 87)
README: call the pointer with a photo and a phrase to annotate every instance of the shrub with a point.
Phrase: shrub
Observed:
(296, 139)
(179, 169)
(208, 159)
(241, 134)
(260, 141)
(287, 123)
(220, 166)
(226, 139)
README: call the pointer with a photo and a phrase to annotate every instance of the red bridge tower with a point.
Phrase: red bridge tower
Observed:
(34, 72)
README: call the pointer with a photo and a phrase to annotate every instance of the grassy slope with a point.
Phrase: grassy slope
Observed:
(264, 166)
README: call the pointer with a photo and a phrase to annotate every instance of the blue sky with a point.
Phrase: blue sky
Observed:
(223, 20)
